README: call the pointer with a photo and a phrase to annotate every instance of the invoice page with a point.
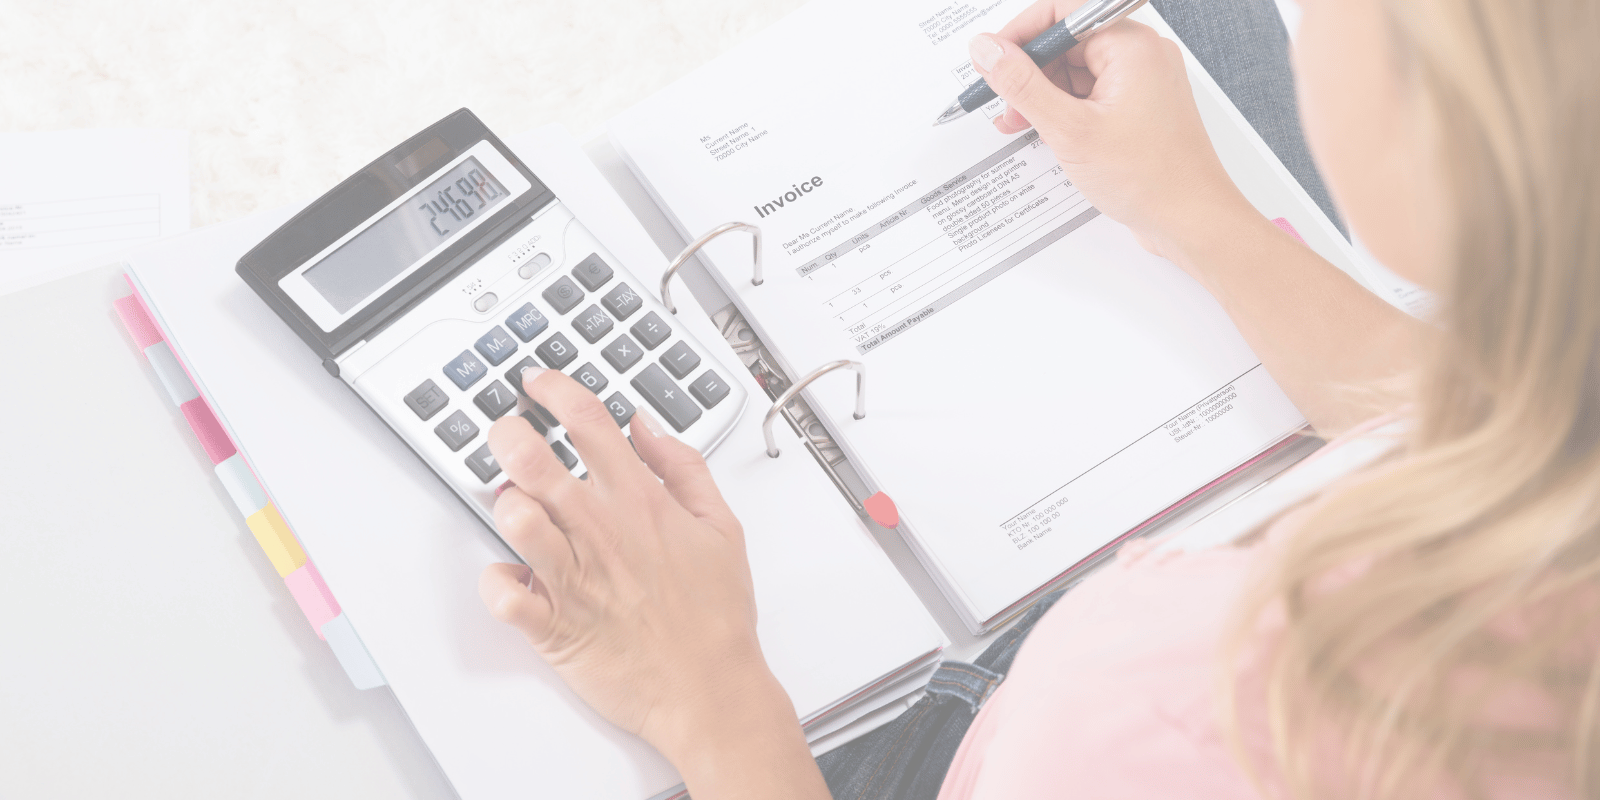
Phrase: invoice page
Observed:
(1038, 383)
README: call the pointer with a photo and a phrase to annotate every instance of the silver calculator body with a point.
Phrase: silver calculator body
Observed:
(429, 280)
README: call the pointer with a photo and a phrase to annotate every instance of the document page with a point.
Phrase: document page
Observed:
(68, 196)
(1038, 384)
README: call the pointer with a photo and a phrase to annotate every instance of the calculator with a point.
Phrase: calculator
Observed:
(428, 281)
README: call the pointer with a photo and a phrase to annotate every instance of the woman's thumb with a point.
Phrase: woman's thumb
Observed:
(1014, 76)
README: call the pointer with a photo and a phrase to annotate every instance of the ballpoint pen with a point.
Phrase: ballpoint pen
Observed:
(1047, 47)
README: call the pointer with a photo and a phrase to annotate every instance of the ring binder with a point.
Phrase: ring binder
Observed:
(694, 247)
(789, 394)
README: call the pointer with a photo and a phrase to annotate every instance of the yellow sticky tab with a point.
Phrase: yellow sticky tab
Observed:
(272, 533)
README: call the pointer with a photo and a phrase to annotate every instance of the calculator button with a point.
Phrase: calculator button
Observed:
(538, 424)
(651, 331)
(592, 323)
(456, 430)
(427, 399)
(709, 389)
(566, 456)
(622, 353)
(622, 301)
(680, 360)
(556, 351)
(465, 370)
(592, 272)
(485, 301)
(496, 345)
(495, 400)
(621, 410)
(667, 398)
(527, 322)
(564, 295)
(534, 264)
(482, 464)
(514, 375)
(590, 376)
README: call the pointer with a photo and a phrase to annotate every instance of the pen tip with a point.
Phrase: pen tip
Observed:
(950, 114)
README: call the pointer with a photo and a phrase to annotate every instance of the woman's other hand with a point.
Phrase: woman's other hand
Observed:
(640, 594)
(1120, 116)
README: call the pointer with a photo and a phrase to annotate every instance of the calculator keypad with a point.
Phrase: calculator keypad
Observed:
(592, 272)
(622, 301)
(668, 399)
(586, 320)
(496, 346)
(651, 331)
(527, 322)
(680, 360)
(427, 399)
(456, 430)
(592, 324)
(622, 353)
(556, 352)
(465, 370)
(495, 400)
(563, 295)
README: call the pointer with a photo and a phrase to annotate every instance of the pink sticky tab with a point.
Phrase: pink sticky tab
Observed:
(882, 510)
(208, 430)
(312, 594)
(1285, 226)
(139, 325)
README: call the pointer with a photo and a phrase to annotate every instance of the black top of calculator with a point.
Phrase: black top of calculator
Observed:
(366, 193)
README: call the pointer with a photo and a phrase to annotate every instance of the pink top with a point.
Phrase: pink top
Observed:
(1114, 693)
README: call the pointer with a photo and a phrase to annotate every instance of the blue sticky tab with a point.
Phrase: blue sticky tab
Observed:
(172, 376)
(241, 485)
(352, 654)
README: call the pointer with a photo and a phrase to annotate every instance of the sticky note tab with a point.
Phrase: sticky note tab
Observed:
(273, 534)
(139, 325)
(312, 594)
(882, 510)
(171, 373)
(352, 654)
(208, 430)
(241, 484)
(1287, 227)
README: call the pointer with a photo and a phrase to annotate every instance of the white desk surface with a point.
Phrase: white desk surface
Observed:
(148, 648)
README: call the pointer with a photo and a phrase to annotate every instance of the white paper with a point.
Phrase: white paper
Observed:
(1039, 384)
(67, 197)
(402, 555)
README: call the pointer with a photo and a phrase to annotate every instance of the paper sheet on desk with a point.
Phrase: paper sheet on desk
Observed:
(1040, 383)
(402, 555)
(69, 196)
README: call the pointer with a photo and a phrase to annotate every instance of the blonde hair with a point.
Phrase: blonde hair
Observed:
(1442, 612)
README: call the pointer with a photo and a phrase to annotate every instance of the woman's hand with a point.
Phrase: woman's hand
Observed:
(639, 594)
(1119, 115)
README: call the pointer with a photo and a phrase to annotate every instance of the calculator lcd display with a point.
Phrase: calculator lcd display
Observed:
(400, 238)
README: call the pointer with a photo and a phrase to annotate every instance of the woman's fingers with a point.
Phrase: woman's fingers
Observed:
(590, 426)
(1036, 18)
(530, 464)
(683, 472)
(1014, 76)
(526, 526)
(505, 592)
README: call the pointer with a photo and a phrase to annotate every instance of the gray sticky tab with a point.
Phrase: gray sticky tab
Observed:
(171, 373)
(352, 654)
(241, 485)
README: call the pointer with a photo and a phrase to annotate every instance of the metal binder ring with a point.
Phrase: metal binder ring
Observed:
(789, 394)
(683, 257)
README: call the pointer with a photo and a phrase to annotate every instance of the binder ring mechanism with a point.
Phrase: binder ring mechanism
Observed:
(789, 394)
(694, 247)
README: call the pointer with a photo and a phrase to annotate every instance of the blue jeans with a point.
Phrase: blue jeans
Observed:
(1244, 45)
